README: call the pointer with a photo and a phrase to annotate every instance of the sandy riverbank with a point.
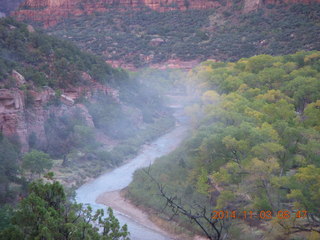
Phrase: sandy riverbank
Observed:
(116, 201)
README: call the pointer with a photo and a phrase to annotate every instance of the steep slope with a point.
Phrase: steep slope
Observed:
(70, 104)
(37, 71)
(50, 12)
(135, 34)
(184, 38)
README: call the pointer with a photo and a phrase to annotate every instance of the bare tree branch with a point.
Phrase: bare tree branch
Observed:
(212, 228)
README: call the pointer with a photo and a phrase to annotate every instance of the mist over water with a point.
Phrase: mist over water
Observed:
(121, 177)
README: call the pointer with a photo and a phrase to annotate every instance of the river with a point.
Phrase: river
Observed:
(121, 177)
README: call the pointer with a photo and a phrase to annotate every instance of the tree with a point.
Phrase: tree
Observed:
(201, 216)
(305, 193)
(312, 115)
(47, 214)
(37, 162)
(9, 155)
(257, 63)
(111, 227)
(303, 90)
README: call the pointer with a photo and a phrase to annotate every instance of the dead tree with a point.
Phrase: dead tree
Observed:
(214, 229)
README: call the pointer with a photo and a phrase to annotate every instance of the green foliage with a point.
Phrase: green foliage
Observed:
(68, 132)
(45, 60)
(110, 118)
(9, 157)
(256, 145)
(47, 214)
(5, 215)
(312, 115)
(37, 162)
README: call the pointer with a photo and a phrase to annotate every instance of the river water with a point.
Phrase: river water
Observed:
(121, 177)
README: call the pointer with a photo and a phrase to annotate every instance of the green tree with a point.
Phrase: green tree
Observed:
(305, 194)
(312, 115)
(37, 162)
(9, 155)
(303, 90)
(47, 214)
(257, 63)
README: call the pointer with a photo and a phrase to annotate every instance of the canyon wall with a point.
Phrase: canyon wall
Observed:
(50, 12)
(25, 112)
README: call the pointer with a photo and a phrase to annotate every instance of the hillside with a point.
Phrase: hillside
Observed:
(184, 38)
(70, 104)
(50, 12)
(148, 38)
(251, 165)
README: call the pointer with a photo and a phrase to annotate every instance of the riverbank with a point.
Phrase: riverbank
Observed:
(80, 170)
(145, 217)
(122, 176)
(117, 201)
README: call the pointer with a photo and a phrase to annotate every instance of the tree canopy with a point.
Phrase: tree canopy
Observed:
(255, 147)
(46, 213)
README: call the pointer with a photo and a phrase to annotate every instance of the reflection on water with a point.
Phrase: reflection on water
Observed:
(121, 177)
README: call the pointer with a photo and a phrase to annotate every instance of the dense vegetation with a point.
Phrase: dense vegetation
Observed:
(139, 117)
(9, 149)
(45, 60)
(46, 213)
(122, 122)
(151, 37)
(136, 114)
(255, 144)
(255, 148)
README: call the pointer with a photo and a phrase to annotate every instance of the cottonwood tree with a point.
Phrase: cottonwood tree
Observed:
(305, 193)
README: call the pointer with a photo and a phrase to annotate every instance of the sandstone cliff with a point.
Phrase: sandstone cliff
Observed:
(17, 119)
(50, 12)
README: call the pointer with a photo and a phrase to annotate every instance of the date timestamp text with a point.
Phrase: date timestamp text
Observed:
(281, 214)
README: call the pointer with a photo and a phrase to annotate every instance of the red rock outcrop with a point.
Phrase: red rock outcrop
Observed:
(49, 12)
(12, 117)
(19, 120)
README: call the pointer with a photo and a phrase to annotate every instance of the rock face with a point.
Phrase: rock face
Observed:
(12, 115)
(19, 119)
(50, 12)
(250, 5)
